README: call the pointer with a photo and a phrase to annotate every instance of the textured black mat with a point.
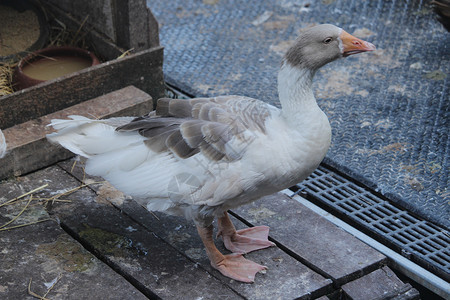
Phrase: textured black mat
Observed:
(389, 110)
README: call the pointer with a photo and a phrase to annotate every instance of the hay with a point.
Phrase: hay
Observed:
(31, 293)
(51, 287)
(126, 53)
(56, 197)
(24, 195)
(19, 30)
(26, 224)
(59, 35)
(6, 71)
(44, 201)
(21, 212)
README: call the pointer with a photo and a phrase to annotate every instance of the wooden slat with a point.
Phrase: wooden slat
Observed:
(43, 252)
(380, 284)
(286, 277)
(143, 70)
(327, 248)
(137, 254)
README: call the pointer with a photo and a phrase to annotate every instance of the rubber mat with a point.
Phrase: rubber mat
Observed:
(389, 109)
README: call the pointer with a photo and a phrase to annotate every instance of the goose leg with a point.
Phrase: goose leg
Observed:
(244, 240)
(234, 266)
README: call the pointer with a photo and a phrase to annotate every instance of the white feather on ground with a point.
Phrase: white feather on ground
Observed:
(2, 144)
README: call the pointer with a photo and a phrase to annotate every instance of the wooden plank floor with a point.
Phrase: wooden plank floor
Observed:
(102, 244)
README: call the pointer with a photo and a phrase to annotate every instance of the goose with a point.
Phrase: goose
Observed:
(200, 157)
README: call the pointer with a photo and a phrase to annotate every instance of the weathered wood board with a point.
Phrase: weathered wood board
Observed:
(29, 150)
(380, 284)
(130, 249)
(330, 250)
(136, 254)
(46, 255)
(142, 70)
(159, 256)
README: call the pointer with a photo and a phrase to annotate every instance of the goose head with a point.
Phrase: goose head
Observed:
(319, 45)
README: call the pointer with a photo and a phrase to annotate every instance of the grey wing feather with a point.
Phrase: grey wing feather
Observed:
(206, 125)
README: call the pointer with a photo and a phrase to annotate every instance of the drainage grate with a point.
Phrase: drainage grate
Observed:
(420, 241)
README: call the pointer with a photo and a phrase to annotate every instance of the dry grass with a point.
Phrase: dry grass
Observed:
(31, 293)
(60, 35)
(41, 201)
(6, 71)
(16, 217)
(126, 53)
(12, 201)
(24, 195)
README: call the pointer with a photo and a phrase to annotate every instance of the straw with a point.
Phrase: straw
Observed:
(24, 195)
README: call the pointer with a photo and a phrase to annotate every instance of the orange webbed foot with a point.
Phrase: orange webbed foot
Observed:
(236, 267)
(247, 240)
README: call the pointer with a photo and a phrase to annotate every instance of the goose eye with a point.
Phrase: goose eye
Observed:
(327, 40)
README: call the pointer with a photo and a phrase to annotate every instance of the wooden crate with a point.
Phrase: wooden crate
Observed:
(142, 69)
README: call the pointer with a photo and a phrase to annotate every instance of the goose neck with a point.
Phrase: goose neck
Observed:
(295, 90)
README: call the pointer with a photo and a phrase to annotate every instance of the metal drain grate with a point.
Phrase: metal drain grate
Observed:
(420, 241)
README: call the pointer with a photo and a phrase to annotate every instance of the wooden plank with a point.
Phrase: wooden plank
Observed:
(143, 70)
(286, 278)
(29, 150)
(136, 253)
(43, 252)
(380, 284)
(135, 26)
(325, 247)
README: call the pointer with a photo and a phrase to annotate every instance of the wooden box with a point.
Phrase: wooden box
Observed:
(134, 27)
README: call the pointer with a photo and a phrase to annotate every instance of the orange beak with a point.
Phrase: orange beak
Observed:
(352, 45)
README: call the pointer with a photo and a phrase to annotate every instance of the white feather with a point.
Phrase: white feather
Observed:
(2, 144)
